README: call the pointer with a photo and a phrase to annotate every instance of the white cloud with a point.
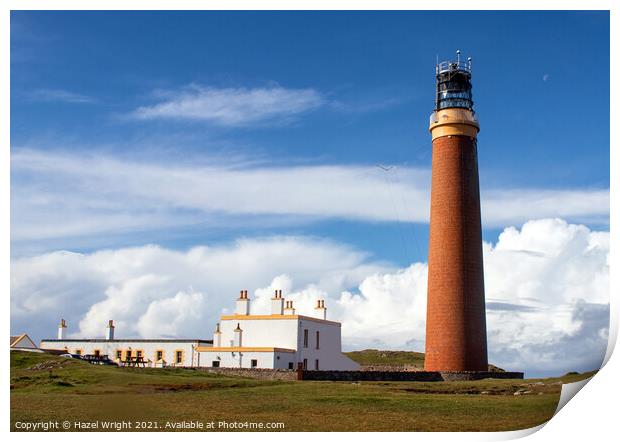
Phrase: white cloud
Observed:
(508, 206)
(180, 315)
(138, 286)
(232, 106)
(547, 288)
(61, 95)
(61, 195)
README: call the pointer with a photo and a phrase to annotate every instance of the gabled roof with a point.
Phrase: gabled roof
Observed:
(24, 340)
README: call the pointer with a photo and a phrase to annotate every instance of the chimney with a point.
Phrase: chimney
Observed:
(320, 310)
(288, 309)
(277, 303)
(109, 335)
(62, 329)
(243, 303)
(238, 333)
(217, 336)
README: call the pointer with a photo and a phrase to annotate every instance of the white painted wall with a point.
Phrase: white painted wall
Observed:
(288, 333)
(236, 359)
(148, 349)
(261, 332)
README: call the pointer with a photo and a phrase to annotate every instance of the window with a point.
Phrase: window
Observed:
(159, 355)
(291, 365)
(97, 353)
(253, 363)
(138, 353)
(78, 352)
(305, 364)
(119, 354)
(318, 339)
(178, 357)
(316, 364)
(215, 364)
(306, 338)
(128, 355)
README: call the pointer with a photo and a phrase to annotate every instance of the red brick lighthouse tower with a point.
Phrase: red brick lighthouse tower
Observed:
(455, 318)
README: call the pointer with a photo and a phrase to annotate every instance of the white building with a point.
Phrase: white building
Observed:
(154, 352)
(280, 340)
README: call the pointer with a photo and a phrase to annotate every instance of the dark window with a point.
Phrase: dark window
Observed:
(128, 355)
(97, 353)
(78, 352)
(254, 363)
(317, 339)
(305, 364)
(215, 364)
(316, 364)
(159, 355)
(306, 338)
(119, 354)
(139, 353)
(291, 365)
(179, 357)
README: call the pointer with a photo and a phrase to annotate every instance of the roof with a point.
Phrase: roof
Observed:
(23, 339)
(197, 341)
(276, 317)
(248, 349)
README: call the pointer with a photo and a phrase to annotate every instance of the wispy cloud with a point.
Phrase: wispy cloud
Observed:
(231, 106)
(58, 95)
(62, 195)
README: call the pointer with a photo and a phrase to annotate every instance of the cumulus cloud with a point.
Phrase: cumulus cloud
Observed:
(57, 195)
(146, 289)
(557, 275)
(547, 288)
(232, 106)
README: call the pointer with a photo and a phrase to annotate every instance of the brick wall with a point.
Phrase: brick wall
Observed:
(455, 324)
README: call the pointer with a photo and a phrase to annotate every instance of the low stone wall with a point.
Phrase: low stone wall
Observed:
(254, 373)
(477, 375)
(419, 376)
(363, 375)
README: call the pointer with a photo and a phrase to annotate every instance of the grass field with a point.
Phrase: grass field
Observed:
(377, 358)
(387, 357)
(45, 388)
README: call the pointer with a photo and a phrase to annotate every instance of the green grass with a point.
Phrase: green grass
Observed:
(387, 357)
(47, 387)
(374, 357)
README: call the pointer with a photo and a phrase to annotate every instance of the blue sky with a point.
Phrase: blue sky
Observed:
(540, 88)
(182, 129)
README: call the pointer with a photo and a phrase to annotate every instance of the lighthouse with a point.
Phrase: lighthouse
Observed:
(455, 318)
